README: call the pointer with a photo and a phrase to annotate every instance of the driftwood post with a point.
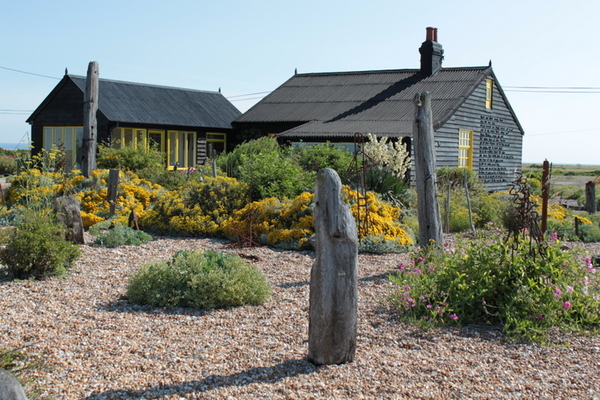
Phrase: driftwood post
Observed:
(113, 186)
(333, 282)
(545, 194)
(428, 209)
(90, 107)
(68, 212)
(590, 197)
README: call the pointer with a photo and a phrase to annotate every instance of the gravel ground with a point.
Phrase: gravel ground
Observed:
(100, 346)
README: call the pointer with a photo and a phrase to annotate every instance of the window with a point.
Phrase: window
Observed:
(489, 85)
(465, 149)
(70, 138)
(137, 138)
(216, 143)
(181, 149)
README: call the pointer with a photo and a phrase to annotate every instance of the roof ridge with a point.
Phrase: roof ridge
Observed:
(389, 71)
(147, 85)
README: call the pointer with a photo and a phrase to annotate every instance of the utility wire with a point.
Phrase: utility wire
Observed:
(557, 133)
(28, 73)
(553, 89)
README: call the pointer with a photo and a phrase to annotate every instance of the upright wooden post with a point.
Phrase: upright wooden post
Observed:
(545, 194)
(333, 311)
(590, 197)
(428, 209)
(113, 189)
(90, 107)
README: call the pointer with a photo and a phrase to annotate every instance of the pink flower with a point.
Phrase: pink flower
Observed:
(401, 266)
(429, 306)
(554, 235)
(567, 305)
(557, 293)
(454, 317)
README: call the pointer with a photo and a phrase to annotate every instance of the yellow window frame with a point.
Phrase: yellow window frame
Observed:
(489, 91)
(465, 148)
(128, 136)
(215, 137)
(70, 137)
(181, 149)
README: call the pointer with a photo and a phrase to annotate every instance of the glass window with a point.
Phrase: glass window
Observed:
(489, 85)
(465, 150)
(69, 138)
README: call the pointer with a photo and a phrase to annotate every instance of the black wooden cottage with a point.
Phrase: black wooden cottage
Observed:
(475, 126)
(185, 124)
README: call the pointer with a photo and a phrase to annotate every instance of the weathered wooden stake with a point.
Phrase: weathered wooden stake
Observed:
(466, 184)
(68, 212)
(545, 194)
(590, 197)
(333, 280)
(90, 107)
(428, 209)
(113, 186)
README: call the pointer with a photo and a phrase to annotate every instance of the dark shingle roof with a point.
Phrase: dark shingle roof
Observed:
(161, 105)
(342, 103)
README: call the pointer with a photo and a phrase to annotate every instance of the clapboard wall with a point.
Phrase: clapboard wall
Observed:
(497, 139)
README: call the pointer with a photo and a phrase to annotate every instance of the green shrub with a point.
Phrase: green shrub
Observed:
(8, 165)
(121, 235)
(267, 168)
(324, 155)
(36, 248)
(524, 286)
(130, 158)
(390, 187)
(201, 280)
(455, 177)
(274, 174)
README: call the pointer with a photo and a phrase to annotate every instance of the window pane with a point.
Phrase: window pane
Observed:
(172, 148)
(48, 139)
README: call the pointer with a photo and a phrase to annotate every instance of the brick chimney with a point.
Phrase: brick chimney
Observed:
(432, 53)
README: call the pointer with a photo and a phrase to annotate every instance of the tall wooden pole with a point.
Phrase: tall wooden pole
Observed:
(428, 209)
(90, 129)
(545, 194)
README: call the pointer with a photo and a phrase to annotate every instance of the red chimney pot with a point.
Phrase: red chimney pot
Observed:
(431, 34)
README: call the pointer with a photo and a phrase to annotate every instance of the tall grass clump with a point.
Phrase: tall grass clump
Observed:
(516, 282)
(201, 280)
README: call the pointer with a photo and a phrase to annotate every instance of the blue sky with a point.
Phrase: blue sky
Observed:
(253, 46)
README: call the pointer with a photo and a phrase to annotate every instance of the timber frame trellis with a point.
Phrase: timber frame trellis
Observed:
(361, 162)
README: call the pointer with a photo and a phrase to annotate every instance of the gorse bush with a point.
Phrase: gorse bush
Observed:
(35, 247)
(289, 223)
(134, 194)
(121, 235)
(197, 210)
(201, 280)
(525, 287)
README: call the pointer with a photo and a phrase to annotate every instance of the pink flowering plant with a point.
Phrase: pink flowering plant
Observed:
(525, 286)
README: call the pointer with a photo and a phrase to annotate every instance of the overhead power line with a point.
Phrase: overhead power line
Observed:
(28, 73)
(249, 94)
(553, 89)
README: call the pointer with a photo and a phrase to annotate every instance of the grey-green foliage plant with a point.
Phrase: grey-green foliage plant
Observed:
(119, 235)
(201, 280)
(35, 247)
